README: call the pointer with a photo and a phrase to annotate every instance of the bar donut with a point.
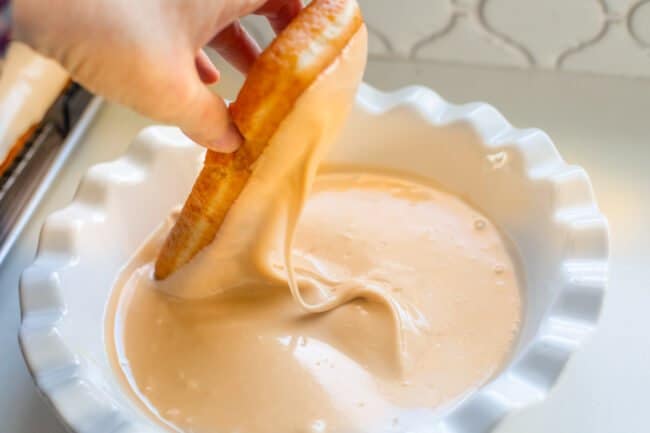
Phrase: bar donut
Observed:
(295, 59)
(29, 85)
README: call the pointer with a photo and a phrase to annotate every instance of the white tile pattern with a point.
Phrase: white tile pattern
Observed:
(596, 36)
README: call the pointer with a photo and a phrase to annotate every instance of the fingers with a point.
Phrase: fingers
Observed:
(210, 126)
(204, 117)
(208, 73)
(236, 46)
(229, 141)
(280, 12)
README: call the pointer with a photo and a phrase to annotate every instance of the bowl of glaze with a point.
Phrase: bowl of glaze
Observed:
(513, 176)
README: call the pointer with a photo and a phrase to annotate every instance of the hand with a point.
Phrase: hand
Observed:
(148, 54)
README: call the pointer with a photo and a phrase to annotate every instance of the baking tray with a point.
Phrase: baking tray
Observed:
(32, 173)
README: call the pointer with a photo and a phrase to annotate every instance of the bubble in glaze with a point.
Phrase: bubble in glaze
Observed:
(497, 160)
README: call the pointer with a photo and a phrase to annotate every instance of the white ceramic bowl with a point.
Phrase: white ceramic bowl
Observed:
(516, 177)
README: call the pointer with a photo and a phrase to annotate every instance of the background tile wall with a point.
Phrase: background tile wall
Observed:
(596, 36)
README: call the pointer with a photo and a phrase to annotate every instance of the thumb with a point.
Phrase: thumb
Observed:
(205, 118)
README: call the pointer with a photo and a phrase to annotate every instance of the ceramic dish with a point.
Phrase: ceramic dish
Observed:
(515, 176)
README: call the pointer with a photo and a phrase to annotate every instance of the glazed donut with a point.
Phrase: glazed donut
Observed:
(29, 85)
(295, 59)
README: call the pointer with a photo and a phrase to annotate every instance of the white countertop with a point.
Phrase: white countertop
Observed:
(600, 123)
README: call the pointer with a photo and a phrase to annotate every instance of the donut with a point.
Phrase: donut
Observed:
(14, 150)
(284, 70)
(29, 85)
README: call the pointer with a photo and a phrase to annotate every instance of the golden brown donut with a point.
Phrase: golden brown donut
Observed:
(304, 49)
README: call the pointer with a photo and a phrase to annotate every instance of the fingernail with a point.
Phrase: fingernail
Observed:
(228, 142)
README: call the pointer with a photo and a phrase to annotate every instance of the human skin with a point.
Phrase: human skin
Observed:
(149, 54)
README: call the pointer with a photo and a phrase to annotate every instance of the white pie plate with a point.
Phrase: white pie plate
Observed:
(515, 176)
